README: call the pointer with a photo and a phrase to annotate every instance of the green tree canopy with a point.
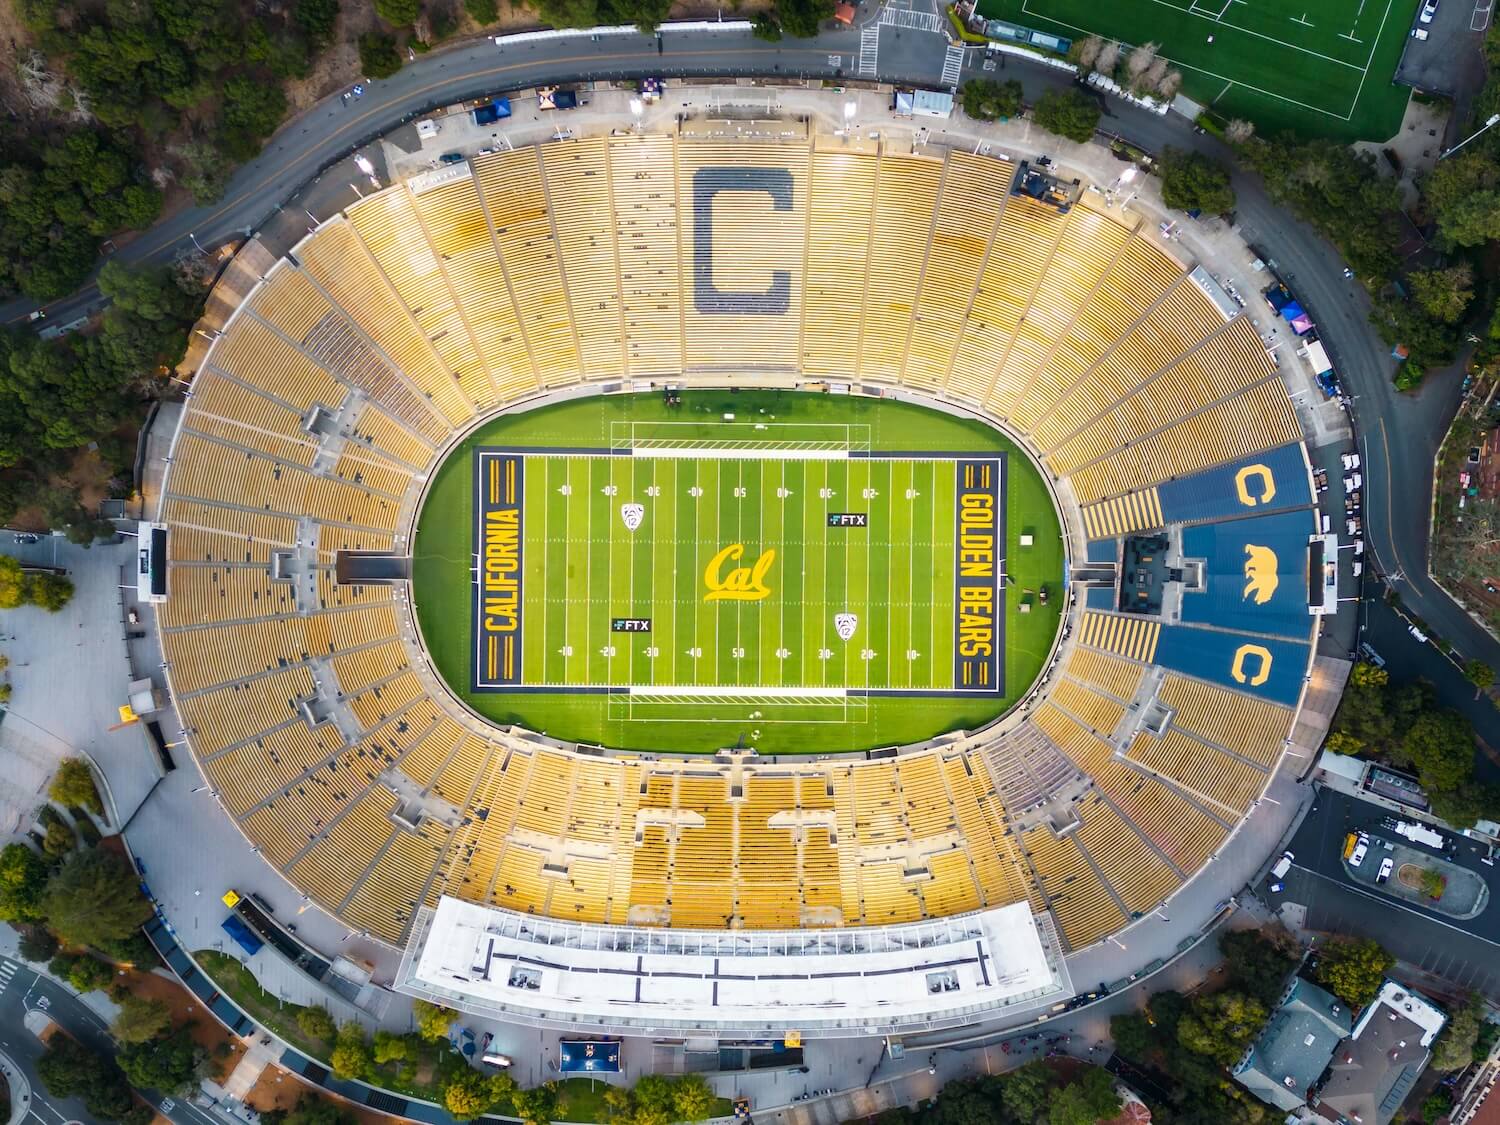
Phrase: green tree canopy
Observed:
(1352, 969)
(23, 883)
(1443, 294)
(378, 56)
(12, 583)
(1221, 1025)
(1258, 963)
(140, 1019)
(69, 1069)
(350, 1057)
(1191, 181)
(171, 1063)
(693, 1099)
(1480, 674)
(468, 1094)
(73, 786)
(1454, 1049)
(1069, 113)
(433, 1020)
(538, 1105)
(389, 1047)
(94, 897)
(316, 1022)
(986, 99)
(1440, 744)
(1027, 1091)
(1088, 1100)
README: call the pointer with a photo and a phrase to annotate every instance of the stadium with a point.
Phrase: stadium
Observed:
(697, 580)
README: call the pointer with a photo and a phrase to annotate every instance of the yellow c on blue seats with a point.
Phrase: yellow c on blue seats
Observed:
(1263, 670)
(1242, 481)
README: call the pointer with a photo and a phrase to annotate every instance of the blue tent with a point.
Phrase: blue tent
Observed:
(242, 934)
(588, 1056)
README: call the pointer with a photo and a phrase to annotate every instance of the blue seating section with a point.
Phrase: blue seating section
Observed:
(1268, 669)
(1270, 481)
(1256, 574)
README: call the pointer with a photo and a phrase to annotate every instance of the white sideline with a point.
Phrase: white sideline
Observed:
(738, 691)
(751, 453)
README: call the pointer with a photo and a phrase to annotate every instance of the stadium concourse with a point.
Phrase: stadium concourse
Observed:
(1144, 392)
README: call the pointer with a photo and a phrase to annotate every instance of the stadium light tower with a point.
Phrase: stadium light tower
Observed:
(637, 107)
(1490, 124)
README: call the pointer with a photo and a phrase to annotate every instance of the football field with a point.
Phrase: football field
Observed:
(796, 572)
(759, 569)
(1321, 67)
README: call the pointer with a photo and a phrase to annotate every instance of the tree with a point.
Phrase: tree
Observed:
(1191, 181)
(1440, 744)
(1258, 963)
(653, 1095)
(1084, 52)
(317, 18)
(1139, 62)
(1432, 883)
(1027, 1091)
(1090, 1099)
(1132, 1035)
(73, 786)
(23, 882)
(51, 591)
(1068, 113)
(1443, 294)
(1481, 675)
(984, 99)
(69, 1069)
(378, 56)
(316, 1023)
(140, 1019)
(1436, 1106)
(1454, 1049)
(1221, 1025)
(84, 972)
(536, 1106)
(171, 1064)
(468, 1094)
(1109, 58)
(1352, 969)
(350, 1057)
(12, 583)
(59, 839)
(1472, 220)
(389, 1047)
(693, 1099)
(482, 12)
(801, 18)
(313, 1110)
(1238, 131)
(433, 1020)
(94, 897)
(398, 13)
(37, 944)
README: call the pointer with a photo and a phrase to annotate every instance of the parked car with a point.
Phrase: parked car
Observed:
(1387, 865)
(452, 158)
(1429, 9)
(1360, 850)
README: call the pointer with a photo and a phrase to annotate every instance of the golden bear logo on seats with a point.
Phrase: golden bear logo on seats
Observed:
(1242, 481)
(1262, 672)
(1260, 573)
(743, 583)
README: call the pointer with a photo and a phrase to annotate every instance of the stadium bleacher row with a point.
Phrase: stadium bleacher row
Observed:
(585, 262)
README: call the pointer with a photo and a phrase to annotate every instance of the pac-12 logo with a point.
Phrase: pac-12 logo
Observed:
(742, 583)
(844, 625)
(1260, 573)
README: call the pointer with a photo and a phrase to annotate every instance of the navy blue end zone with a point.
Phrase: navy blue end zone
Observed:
(979, 559)
(499, 488)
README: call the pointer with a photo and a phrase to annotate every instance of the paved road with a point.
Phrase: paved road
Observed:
(22, 989)
(1463, 952)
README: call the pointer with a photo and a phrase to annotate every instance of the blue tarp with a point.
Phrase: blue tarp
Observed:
(495, 111)
(1291, 311)
(243, 934)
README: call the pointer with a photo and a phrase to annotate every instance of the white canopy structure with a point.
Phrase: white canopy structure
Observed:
(631, 980)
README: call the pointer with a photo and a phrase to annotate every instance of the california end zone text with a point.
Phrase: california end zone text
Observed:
(499, 485)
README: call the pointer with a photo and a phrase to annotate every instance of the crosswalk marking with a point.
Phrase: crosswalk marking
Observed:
(869, 50)
(916, 21)
(953, 65)
(7, 970)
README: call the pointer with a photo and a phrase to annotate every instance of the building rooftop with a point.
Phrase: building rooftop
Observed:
(1296, 1045)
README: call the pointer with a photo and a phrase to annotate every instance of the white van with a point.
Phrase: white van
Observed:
(1283, 865)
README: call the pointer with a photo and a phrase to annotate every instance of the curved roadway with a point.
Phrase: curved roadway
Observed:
(1398, 433)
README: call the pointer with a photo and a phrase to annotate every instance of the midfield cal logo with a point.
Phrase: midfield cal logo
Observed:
(743, 583)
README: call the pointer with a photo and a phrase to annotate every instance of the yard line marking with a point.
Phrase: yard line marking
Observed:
(1379, 31)
(1302, 19)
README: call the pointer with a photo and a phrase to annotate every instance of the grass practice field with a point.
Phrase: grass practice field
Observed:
(819, 573)
(1320, 67)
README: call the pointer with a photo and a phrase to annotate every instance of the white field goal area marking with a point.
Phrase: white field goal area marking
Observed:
(823, 711)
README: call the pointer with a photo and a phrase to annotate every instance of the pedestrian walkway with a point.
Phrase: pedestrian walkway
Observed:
(953, 65)
(869, 51)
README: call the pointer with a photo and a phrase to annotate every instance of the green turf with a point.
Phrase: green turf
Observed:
(577, 574)
(1328, 76)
